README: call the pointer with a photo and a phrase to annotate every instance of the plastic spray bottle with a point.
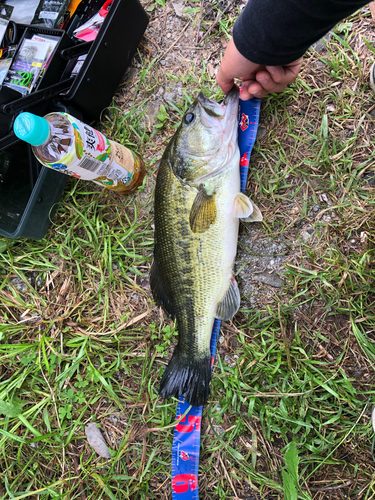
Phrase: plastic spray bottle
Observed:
(67, 145)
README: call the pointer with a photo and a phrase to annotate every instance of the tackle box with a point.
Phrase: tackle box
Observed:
(29, 191)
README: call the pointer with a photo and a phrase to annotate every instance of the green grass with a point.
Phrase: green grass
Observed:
(289, 414)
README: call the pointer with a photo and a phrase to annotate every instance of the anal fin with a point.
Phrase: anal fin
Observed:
(230, 303)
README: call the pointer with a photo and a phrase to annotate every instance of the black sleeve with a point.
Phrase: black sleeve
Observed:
(277, 32)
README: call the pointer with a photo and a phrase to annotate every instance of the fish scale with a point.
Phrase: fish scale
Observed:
(186, 436)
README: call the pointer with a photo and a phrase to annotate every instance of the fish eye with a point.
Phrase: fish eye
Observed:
(189, 118)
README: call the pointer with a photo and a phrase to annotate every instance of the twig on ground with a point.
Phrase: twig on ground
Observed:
(229, 479)
(218, 17)
(75, 454)
(330, 488)
(199, 22)
(173, 44)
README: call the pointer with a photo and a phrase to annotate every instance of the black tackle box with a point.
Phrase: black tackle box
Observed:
(29, 191)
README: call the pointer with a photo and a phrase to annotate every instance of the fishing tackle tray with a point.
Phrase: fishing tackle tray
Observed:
(29, 191)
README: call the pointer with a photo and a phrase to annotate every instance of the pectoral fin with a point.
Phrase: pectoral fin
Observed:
(245, 209)
(230, 303)
(203, 212)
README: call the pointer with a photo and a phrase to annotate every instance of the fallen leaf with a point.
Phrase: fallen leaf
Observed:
(96, 440)
(63, 291)
(372, 10)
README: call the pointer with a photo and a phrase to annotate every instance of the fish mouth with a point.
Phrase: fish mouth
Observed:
(231, 102)
(227, 109)
(233, 95)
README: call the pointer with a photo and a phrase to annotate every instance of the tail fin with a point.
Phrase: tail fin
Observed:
(187, 377)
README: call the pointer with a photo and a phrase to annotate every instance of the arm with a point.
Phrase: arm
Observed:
(270, 37)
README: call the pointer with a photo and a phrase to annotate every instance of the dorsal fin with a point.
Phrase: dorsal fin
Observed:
(158, 289)
(203, 212)
(230, 303)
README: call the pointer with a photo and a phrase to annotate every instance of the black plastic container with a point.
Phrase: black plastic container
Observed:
(28, 191)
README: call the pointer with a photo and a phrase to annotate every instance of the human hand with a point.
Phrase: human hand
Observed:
(257, 80)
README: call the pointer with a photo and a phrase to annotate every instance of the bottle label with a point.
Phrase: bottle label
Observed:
(96, 158)
(122, 156)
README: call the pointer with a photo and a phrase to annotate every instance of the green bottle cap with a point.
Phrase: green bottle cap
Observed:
(31, 128)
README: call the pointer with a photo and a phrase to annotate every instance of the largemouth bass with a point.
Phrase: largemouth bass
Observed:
(198, 205)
